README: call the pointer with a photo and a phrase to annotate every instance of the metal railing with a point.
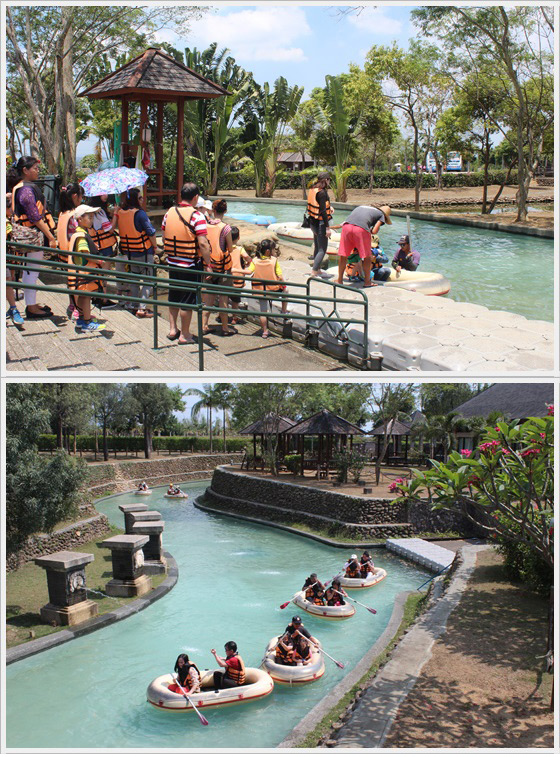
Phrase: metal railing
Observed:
(327, 306)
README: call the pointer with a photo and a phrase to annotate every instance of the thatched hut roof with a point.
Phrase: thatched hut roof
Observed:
(325, 422)
(270, 424)
(396, 428)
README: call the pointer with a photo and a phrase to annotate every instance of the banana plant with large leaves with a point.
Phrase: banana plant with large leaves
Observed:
(333, 116)
(275, 109)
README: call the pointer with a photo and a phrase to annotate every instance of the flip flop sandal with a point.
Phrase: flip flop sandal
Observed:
(172, 337)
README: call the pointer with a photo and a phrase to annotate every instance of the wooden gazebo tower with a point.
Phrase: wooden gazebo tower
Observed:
(333, 433)
(270, 425)
(155, 77)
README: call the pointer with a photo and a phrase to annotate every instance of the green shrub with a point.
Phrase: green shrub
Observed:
(86, 443)
(293, 463)
(522, 564)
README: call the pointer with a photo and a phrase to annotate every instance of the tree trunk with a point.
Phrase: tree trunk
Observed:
(418, 183)
(486, 163)
(68, 115)
(501, 189)
(147, 441)
(105, 445)
(75, 445)
(59, 441)
(224, 422)
(372, 169)
(210, 429)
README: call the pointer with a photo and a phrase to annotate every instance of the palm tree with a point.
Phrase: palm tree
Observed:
(333, 117)
(208, 399)
(222, 394)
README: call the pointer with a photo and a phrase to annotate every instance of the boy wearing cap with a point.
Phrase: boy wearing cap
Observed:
(82, 243)
(405, 257)
(297, 625)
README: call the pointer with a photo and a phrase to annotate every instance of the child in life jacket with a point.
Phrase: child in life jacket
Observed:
(284, 651)
(265, 265)
(241, 264)
(188, 676)
(335, 594)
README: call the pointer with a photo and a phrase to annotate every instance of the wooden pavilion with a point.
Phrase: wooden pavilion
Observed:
(397, 431)
(154, 77)
(333, 433)
(270, 425)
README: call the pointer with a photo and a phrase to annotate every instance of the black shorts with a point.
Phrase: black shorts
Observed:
(191, 275)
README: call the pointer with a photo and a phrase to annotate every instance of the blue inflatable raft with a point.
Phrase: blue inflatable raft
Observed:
(252, 218)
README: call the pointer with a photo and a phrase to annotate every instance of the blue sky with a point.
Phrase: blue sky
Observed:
(302, 43)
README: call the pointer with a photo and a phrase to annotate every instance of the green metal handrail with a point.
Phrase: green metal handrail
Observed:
(14, 262)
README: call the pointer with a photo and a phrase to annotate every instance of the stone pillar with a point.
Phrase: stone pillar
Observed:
(129, 578)
(128, 510)
(66, 579)
(154, 560)
(143, 517)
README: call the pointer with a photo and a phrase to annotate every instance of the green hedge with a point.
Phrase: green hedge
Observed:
(360, 179)
(86, 443)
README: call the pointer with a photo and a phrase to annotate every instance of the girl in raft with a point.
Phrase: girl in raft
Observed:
(188, 676)
(285, 652)
(266, 266)
(366, 565)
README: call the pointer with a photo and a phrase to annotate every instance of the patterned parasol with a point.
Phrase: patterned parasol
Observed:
(113, 181)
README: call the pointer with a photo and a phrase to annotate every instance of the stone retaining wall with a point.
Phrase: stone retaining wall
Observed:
(122, 476)
(290, 517)
(293, 497)
(424, 519)
(70, 537)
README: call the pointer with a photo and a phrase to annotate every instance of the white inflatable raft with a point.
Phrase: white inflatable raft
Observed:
(258, 684)
(338, 612)
(143, 492)
(294, 675)
(293, 232)
(363, 583)
(181, 495)
(431, 284)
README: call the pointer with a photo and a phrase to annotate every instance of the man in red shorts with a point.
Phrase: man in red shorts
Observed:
(362, 222)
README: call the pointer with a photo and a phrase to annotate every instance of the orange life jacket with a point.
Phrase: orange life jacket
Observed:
(318, 600)
(74, 279)
(313, 205)
(353, 570)
(352, 269)
(62, 240)
(180, 237)
(22, 218)
(104, 239)
(236, 675)
(283, 656)
(265, 269)
(132, 241)
(220, 260)
(237, 267)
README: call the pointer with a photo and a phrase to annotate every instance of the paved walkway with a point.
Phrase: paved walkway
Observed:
(126, 344)
(371, 721)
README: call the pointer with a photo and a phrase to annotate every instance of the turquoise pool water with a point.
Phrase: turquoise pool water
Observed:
(90, 692)
(502, 271)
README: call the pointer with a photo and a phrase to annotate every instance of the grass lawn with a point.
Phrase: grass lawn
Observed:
(26, 593)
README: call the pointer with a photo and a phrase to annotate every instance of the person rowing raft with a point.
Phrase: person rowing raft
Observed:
(335, 594)
(366, 565)
(188, 676)
(310, 586)
(352, 568)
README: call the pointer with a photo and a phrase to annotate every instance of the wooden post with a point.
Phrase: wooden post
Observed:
(124, 127)
(143, 123)
(159, 148)
(180, 145)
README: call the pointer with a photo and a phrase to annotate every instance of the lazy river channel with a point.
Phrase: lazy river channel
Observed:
(502, 271)
(233, 575)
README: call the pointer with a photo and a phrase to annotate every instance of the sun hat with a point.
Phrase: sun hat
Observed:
(386, 210)
(83, 209)
(404, 239)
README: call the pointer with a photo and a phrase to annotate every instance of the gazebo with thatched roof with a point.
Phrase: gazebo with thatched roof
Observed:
(397, 431)
(333, 433)
(271, 424)
(154, 77)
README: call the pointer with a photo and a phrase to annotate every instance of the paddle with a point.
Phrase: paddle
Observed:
(192, 704)
(369, 609)
(336, 662)
(283, 607)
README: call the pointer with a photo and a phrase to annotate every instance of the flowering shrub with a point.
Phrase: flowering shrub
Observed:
(505, 486)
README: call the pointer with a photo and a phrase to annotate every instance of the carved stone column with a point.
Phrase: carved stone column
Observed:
(66, 580)
(129, 577)
(154, 560)
(128, 510)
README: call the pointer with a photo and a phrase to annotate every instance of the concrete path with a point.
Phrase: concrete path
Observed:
(370, 723)
(426, 553)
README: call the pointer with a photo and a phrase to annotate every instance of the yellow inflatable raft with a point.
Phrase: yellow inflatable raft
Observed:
(294, 675)
(338, 612)
(257, 684)
(363, 583)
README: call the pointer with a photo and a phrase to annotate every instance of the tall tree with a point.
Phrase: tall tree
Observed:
(408, 77)
(517, 43)
(51, 67)
(389, 403)
(108, 402)
(440, 399)
(209, 397)
(40, 491)
(301, 138)
(152, 404)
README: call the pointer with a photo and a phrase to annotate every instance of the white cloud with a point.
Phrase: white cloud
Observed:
(260, 34)
(375, 21)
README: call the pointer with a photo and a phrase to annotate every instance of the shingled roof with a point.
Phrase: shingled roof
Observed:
(270, 424)
(325, 422)
(154, 72)
(515, 401)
